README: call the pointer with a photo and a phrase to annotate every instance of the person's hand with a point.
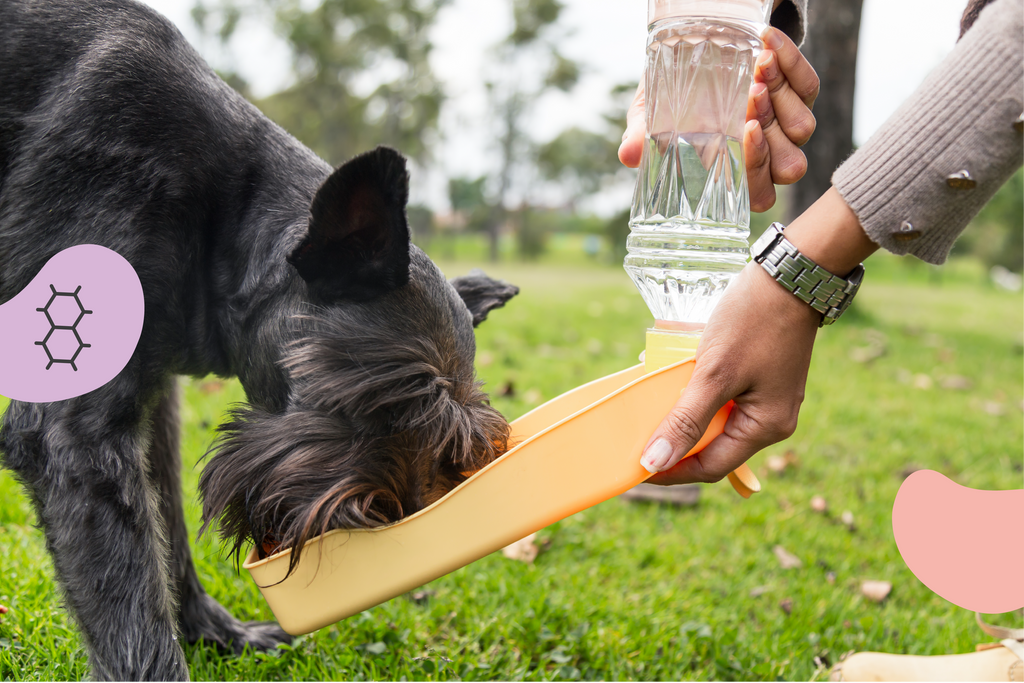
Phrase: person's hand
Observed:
(779, 120)
(755, 350)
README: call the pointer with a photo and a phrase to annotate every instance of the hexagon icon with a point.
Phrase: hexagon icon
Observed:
(62, 343)
(64, 310)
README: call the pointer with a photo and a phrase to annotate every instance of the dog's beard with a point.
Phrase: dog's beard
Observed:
(379, 425)
(278, 481)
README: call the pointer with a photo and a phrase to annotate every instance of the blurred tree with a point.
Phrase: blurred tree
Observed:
(527, 64)
(361, 68)
(616, 231)
(469, 201)
(583, 161)
(831, 48)
(421, 224)
(580, 160)
(532, 230)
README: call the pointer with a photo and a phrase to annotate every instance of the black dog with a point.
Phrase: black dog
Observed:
(256, 261)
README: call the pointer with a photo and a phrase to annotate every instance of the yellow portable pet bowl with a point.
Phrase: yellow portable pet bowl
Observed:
(573, 452)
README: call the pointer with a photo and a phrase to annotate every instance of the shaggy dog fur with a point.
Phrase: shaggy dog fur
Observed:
(257, 260)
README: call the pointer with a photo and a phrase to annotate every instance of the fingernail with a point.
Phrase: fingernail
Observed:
(772, 38)
(657, 456)
(756, 136)
(762, 101)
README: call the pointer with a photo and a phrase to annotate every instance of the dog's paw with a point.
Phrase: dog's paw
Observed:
(207, 620)
(259, 635)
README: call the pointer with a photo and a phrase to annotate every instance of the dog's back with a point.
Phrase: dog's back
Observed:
(114, 131)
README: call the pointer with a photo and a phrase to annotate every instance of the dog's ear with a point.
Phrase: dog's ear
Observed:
(357, 246)
(481, 293)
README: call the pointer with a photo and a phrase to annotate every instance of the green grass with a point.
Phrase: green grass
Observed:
(641, 591)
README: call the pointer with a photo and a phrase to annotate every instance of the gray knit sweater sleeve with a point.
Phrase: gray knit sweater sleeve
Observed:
(942, 155)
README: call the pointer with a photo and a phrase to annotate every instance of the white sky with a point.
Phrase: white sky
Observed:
(901, 41)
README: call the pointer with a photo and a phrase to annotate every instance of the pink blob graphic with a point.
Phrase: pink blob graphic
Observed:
(964, 544)
(73, 328)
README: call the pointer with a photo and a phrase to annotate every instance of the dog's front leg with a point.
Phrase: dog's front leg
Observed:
(83, 464)
(199, 615)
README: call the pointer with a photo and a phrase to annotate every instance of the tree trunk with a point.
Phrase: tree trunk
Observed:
(831, 48)
(512, 111)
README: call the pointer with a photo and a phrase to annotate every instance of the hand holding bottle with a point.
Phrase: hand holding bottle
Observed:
(755, 350)
(779, 120)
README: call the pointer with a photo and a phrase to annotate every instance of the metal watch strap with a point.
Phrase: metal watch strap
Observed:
(826, 293)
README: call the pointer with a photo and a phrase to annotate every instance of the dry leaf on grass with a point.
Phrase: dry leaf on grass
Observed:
(787, 605)
(993, 408)
(780, 463)
(866, 354)
(876, 591)
(873, 336)
(818, 504)
(484, 358)
(787, 560)
(759, 591)
(533, 397)
(211, 386)
(956, 383)
(523, 550)
(847, 519)
(922, 381)
(421, 597)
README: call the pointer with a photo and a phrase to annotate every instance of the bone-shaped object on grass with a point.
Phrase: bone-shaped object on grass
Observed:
(73, 328)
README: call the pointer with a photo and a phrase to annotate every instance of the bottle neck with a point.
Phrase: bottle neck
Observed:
(667, 345)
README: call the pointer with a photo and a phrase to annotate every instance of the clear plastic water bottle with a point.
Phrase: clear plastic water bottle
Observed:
(691, 209)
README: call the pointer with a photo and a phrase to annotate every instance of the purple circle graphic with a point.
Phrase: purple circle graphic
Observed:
(73, 328)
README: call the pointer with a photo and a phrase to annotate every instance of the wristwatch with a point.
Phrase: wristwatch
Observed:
(823, 291)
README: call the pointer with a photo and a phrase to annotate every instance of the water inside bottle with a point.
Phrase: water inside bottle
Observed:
(691, 210)
(683, 251)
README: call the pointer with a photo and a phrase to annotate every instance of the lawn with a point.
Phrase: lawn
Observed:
(644, 591)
